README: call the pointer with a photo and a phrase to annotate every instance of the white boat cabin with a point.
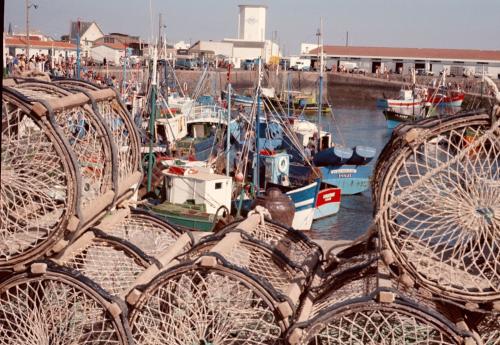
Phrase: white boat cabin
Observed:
(307, 132)
(183, 184)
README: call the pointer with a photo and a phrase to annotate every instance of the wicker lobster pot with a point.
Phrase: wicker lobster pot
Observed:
(73, 119)
(437, 200)
(149, 233)
(352, 301)
(52, 304)
(125, 138)
(39, 186)
(297, 247)
(229, 288)
(112, 263)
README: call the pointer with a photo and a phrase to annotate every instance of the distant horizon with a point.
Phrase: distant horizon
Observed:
(377, 23)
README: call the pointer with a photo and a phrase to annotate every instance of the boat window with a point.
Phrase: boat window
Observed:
(218, 185)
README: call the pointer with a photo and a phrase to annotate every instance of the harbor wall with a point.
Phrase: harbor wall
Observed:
(341, 88)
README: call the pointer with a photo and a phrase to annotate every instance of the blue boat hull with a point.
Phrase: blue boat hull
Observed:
(391, 124)
(351, 179)
(304, 199)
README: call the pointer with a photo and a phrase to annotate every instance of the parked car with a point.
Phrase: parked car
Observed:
(187, 64)
(248, 64)
(301, 66)
(423, 71)
(357, 70)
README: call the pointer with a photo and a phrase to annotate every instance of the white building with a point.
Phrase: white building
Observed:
(17, 45)
(252, 23)
(399, 60)
(113, 52)
(213, 48)
(89, 33)
(305, 48)
(181, 45)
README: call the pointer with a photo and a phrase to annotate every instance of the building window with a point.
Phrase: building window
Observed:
(218, 185)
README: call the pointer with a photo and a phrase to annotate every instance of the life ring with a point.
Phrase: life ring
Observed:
(282, 165)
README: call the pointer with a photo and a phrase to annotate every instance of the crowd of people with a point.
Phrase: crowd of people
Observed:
(56, 66)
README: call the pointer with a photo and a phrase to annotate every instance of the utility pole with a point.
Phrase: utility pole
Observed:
(159, 33)
(347, 38)
(27, 33)
(28, 6)
(318, 35)
(78, 49)
(320, 96)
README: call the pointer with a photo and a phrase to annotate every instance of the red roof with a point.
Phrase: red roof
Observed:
(21, 42)
(117, 46)
(417, 53)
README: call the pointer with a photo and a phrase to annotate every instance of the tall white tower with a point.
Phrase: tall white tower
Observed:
(252, 23)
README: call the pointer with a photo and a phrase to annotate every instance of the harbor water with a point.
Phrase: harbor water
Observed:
(361, 124)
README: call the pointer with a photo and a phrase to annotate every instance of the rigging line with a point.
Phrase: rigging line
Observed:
(162, 99)
(337, 126)
(294, 139)
(175, 78)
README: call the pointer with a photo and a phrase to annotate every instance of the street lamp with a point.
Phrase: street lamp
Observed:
(28, 6)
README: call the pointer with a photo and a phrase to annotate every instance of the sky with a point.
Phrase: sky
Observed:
(468, 24)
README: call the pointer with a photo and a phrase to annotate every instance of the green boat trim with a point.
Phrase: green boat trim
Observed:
(188, 215)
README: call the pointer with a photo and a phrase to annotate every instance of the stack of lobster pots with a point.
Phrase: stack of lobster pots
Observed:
(69, 242)
(79, 265)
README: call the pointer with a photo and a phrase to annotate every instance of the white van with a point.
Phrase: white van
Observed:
(299, 64)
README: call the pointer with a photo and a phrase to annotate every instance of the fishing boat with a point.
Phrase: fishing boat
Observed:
(303, 193)
(268, 167)
(238, 99)
(394, 118)
(339, 166)
(408, 98)
(351, 179)
(194, 197)
(445, 97)
(327, 202)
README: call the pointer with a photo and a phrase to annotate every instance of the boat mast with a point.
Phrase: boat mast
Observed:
(77, 49)
(152, 119)
(288, 93)
(228, 134)
(413, 81)
(320, 96)
(124, 76)
(256, 172)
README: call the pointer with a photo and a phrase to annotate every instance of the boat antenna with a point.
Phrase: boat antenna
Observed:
(152, 120)
(256, 173)
(320, 96)
(228, 130)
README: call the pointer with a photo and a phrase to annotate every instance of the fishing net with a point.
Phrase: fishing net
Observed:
(112, 263)
(149, 233)
(438, 201)
(489, 329)
(230, 288)
(83, 130)
(202, 305)
(355, 304)
(119, 124)
(56, 308)
(264, 262)
(38, 189)
(295, 245)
